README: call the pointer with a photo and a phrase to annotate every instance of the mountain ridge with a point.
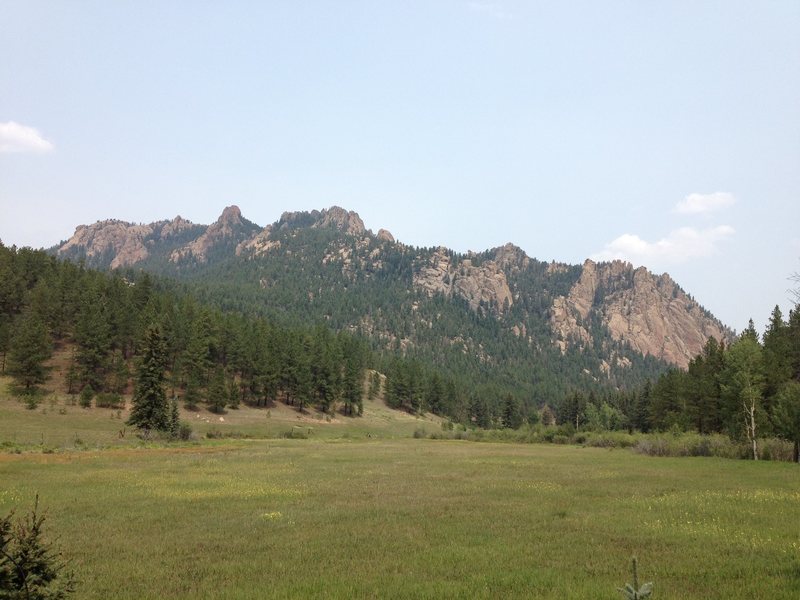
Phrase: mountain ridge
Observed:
(584, 308)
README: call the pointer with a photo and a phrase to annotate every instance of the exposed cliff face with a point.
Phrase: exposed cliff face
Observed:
(259, 244)
(127, 242)
(481, 286)
(648, 312)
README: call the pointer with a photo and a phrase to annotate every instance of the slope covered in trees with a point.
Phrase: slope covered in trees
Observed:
(177, 346)
(482, 320)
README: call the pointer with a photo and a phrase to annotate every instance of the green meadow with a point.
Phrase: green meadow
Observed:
(363, 510)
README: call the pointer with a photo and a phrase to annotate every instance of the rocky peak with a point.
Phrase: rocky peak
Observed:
(346, 221)
(124, 240)
(648, 312)
(228, 225)
(385, 236)
(177, 225)
(483, 286)
(511, 257)
(230, 216)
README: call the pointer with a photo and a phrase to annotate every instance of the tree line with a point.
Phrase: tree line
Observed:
(747, 390)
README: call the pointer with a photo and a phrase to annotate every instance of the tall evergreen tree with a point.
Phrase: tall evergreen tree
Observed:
(786, 415)
(777, 355)
(217, 391)
(150, 410)
(30, 348)
(93, 336)
(512, 414)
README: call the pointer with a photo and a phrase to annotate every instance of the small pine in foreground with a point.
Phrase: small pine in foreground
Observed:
(634, 592)
(29, 567)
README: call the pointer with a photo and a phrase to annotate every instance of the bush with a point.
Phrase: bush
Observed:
(298, 433)
(87, 394)
(776, 449)
(609, 439)
(184, 431)
(109, 400)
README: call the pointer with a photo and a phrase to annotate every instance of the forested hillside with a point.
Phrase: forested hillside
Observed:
(495, 323)
(212, 357)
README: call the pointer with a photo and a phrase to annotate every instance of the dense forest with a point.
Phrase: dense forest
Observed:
(211, 357)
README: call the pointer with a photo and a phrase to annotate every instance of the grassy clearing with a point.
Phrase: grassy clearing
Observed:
(58, 423)
(412, 518)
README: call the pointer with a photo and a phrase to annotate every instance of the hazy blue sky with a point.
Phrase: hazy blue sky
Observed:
(665, 133)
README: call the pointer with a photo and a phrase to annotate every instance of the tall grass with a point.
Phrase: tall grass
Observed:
(650, 444)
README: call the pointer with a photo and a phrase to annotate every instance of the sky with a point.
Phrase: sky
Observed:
(662, 133)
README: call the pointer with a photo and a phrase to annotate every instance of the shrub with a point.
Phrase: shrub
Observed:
(109, 400)
(776, 449)
(298, 433)
(87, 394)
(184, 431)
(610, 439)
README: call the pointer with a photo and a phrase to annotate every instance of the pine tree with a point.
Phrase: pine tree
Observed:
(234, 394)
(93, 337)
(30, 569)
(30, 348)
(150, 411)
(174, 419)
(217, 391)
(786, 415)
(512, 416)
(633, 591)
(777, 356)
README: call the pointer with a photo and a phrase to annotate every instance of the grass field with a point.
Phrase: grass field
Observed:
(349, 516)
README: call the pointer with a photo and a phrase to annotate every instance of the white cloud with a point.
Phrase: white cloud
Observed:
(486, 7)
(20, 138)
(704, 203)
(677, 247)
